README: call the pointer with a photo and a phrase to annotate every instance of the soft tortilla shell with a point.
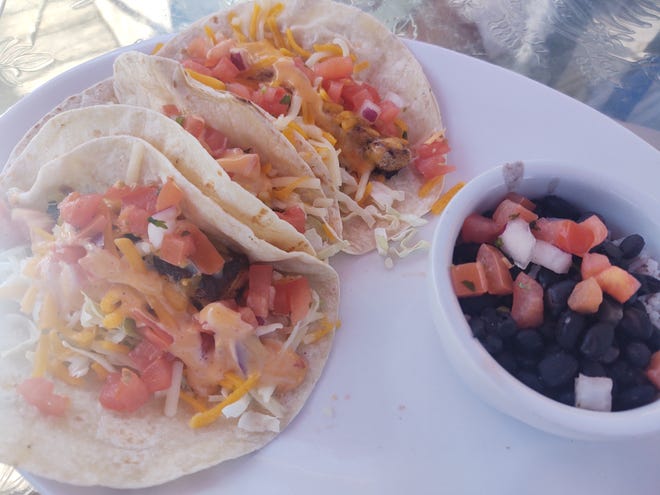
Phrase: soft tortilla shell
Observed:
(71, 128)
(94, 446)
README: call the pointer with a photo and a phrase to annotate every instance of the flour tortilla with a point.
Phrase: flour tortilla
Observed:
(71, 128)
(392, 67)
(94, 446)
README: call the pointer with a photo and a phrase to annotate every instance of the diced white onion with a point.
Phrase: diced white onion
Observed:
(593, 392)
(235, 409)
(343, 44)
(551, 257)
(518, 242)
(369, 111)
(172, 397)
(258, 422)
(157, 233)
(394, 98)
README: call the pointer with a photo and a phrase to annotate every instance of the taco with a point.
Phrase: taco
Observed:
(152, 334)
(162, 85)
(296, 184)
(334, 75)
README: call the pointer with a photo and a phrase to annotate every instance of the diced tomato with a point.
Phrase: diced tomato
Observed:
(354, 95)
(653, 369)
(469, 279)
(480, 229)
(124, 392)
(292, 297)
(151, 329)
(96, 226)
(158, 374)
(145, 353)
(586, 296)
(431, 167)
(176, 249)
(141, 196)
(198, 47)
(285, 369)
(508, 210)
(334, 68)
(134, 220)
(435, 147)
(225, 70)
(260, 277)
(389, 129)
(39, 392)
(169, 195)
(520, 199)
(598, 229)
(206, 257)
(216, 142)
(295, 215)
(388, 112)
(593, 264)
(197, 67)
(194, 124)
(79, 209)
(567, 235)
(496, 268)
(274, 100)
(334, 89)
(239, 90)
(527, 307)
(171, 110)
(618, 283)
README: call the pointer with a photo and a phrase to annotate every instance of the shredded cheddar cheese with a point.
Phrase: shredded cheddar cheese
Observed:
(209, 32)
(209, 416)
(132, 255)
(254, 21)
(209, 81)
(100, 371)
(359, 67)
(294, 45)
(236, 28)
(325, 328)
(41, 356)
(112, 347)
(157, 48)
(442, 202)
(284, 192)
(429, 185)
(329, 47)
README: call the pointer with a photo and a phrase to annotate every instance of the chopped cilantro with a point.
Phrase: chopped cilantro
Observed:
(286, 99)
(469, 285)
(158, 223)
(533, 226)
(180, 120)
(405, 135)
(53, 210)
(514, 216)
(499, 242)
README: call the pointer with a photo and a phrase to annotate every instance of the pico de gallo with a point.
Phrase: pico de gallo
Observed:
(129, 296)
(316, 93)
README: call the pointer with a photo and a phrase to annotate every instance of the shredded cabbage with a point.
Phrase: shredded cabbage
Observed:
(258, 422)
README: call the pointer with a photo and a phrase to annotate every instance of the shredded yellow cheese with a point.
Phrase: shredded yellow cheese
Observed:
(230, 381)
(254, 21)
(428, 186)
(61, 372)
(325, 328)
(85, 337)
(100, 371)
(29, 299)
(112, 347)
(286, 52)
(132, 255)
(329, 233)
(359, 67)
(113, 319)
(442, 202)
(209, 81)
(235, 26)
(48, 314)
(209, 32)
(366, 194)
(208, 416)
(307, 115)
(164, 316)
(41, 356)
(284, 192)
(329, 47)
(295, 46)
(157, 48)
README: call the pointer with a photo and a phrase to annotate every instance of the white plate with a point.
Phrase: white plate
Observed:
(389, 416)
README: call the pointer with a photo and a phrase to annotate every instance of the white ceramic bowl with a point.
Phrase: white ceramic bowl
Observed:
(626, 211)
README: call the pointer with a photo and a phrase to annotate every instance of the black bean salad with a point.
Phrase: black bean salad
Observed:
(559, 304)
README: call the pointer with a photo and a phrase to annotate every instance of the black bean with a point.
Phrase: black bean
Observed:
(475, 305)
(638, 354)
(590, 367)
(611, 355)
(527, 361)
(478, 327)
(508, 361)
(556, 296)
(465, 253)
(528, 341)
(612, 251)
(565, 395)
(635, 323)
(554, 206)
(506, 326)
(636, 396)
(547, 330)
(532, 380)
(654, 340)
(650, 284)
(558, 369)
(597, 340)
(632, 245)
(622, 374)
(493, 344)
(610, 311)
(490, 318)
(569, 329)
(547, 277)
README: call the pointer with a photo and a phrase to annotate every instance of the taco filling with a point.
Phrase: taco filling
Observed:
(316, 93)
(131, 297)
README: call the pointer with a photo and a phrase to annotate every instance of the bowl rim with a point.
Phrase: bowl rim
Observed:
(475, 365)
